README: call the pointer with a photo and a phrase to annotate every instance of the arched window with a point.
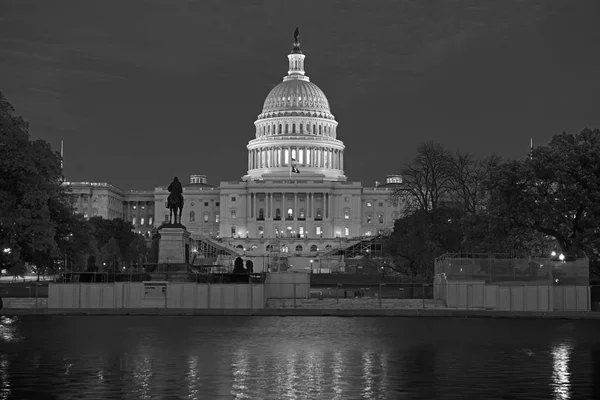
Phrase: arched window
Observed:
(269, 247)
(301, 214)
(192, 216)
(233, 213)
(328, 247)
(205, 217)
(261, 213)
(346, 213)
(133, 221)
(293, 128)
(239, 246)
(314, 248)
(290, 213)
(301, 128)
(299, 247)
(287, 128)
(280, 128)
(346, 231)
(320, 130)
(277, 214)
(314, 128)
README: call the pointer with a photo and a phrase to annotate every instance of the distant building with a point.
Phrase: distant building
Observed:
(295, 187)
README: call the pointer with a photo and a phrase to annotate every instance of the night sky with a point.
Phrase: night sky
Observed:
(142, 91)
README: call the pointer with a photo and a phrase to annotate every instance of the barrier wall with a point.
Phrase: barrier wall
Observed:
(511, 297)
(288, 286)
(156, 295)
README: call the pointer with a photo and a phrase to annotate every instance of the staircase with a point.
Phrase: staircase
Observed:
(210, 247)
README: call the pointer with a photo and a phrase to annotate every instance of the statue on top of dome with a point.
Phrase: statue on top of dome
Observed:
(296, 35)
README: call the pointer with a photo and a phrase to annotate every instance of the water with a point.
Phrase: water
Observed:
(74, 357)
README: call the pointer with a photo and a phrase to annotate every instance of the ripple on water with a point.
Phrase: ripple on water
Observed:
(292, 358)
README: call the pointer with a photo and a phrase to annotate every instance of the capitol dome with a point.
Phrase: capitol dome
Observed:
(296, 95)
(296, 134)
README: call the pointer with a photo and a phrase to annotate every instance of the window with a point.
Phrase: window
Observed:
(233, 230)
(277, 230)
(369, 219)
(150, 221)
(369, 204)
(134, 207)
(144, 207)
(284, 248)
(192, 217)
(368, 233)
(217, 218)
(346, 231)
(277, 214)
(133, 221)
(381, 204)
(94, 212)
(290, 214)
(346, 199)
(233, 213)
(233, 198)
(381, 218)
(142, 221)
(206, 204)
(301, 215)
(314, 248)
(206, 217)
(269, 247)
(318, 215)
(261, 231)
(261, 213)
(319, 231)
(299, 247)
(217, 204)
(347, 213)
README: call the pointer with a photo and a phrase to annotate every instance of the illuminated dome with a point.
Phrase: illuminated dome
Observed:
(296, 134)
(296, 95)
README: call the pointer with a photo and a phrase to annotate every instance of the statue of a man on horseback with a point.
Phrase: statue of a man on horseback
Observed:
(175, 200)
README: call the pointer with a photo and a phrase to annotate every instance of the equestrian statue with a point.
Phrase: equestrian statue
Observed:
(175, 201)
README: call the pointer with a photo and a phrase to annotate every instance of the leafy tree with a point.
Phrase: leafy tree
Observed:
(111, 253)
(556, 192)
(30, 179)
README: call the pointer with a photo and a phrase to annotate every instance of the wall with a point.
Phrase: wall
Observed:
(511, 297)
(287, 286)
(138, 295)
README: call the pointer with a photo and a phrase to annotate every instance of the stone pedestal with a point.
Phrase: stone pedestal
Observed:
(174, 245)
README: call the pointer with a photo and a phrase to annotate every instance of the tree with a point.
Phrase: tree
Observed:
(111, 253)
(130, 244)
(556, 192)
(427, 179)
(30, 178)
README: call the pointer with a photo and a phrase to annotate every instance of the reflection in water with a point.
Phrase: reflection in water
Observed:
(367, 373)
(193, 378)
(4, 377)
(338, 371)
(240, 374)
(560, 374)
(142, 376)
(294, 358)
(8, 329)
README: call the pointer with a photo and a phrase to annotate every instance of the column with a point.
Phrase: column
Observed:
(269, 203)
(326, 205)
(255, 207)
(248, 205)
(296, 206)
(341, 160)
(251, 208)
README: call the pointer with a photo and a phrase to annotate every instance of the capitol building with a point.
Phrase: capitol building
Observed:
(294, 198)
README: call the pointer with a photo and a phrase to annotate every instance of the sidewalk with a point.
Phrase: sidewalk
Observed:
(298, 312)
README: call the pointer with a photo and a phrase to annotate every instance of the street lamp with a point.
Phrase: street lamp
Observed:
(561, 257)
(553, 254)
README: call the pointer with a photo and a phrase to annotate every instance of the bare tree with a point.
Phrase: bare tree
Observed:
(427, 179)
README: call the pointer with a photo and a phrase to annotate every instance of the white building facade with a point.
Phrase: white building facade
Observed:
(295, 194)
